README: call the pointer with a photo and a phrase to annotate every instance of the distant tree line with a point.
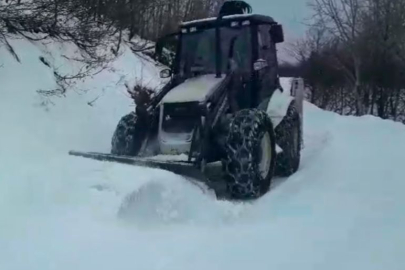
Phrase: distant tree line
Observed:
(353, 57)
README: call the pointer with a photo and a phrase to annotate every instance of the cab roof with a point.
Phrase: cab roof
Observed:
(211, 22)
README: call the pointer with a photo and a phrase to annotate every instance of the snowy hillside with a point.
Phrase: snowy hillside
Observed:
(344, 209)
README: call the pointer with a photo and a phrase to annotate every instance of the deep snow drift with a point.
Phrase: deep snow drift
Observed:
(344, 209)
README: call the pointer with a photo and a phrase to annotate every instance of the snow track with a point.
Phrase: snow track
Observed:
(343, 209)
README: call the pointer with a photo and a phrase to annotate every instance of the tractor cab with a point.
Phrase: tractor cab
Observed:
(241, 45)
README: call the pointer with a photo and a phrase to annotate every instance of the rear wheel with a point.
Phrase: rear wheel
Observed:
(250, 155)
(289, 134)
(128, 136)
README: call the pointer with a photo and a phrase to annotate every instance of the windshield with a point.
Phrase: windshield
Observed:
(198, 50)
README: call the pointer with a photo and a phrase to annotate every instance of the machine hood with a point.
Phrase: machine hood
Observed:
(194, 89)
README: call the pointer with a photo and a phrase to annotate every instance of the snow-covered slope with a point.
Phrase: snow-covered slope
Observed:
(344, 209)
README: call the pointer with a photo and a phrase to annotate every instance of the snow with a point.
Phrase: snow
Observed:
(228, 17)
(343, 209)
(194, 89)
(278, 106)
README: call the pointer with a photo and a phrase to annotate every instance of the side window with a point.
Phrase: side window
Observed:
(265, 43)
(243, 50)
(236, 44)
(205, 50)
(267, 51)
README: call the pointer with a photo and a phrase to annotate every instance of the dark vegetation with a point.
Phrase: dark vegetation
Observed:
(353, 57)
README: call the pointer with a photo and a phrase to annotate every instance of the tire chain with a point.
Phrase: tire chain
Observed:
(284, 131)
(124, 134)
(241, 167)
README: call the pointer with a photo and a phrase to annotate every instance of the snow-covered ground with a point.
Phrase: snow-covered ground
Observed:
(344, 209)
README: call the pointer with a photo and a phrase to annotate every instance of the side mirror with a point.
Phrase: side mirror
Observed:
(277, 33)
(165, 73)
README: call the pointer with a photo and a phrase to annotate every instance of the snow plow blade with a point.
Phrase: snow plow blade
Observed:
(182, 168)
(208, 181)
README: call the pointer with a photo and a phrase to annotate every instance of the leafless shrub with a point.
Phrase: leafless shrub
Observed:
(352, 58)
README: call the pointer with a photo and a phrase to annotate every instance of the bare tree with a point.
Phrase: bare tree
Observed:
(343, 20)
(353, 57)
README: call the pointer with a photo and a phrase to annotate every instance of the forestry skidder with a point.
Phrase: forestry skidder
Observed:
(223, 104)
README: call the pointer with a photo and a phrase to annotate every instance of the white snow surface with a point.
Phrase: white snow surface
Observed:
(230, 17)
(194, 89)
(278, 106)
(343, 209)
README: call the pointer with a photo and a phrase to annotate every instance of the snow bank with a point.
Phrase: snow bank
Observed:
(49, 201)
(67, 119)
(342, 210)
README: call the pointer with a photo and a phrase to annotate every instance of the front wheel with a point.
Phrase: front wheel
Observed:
(250, 155)
(129, 135)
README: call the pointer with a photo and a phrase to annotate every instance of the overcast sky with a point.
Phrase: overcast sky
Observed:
(289, 13)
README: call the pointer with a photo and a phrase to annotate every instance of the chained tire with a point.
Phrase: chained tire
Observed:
(250, 155)
(128, 136)
(289, 138)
